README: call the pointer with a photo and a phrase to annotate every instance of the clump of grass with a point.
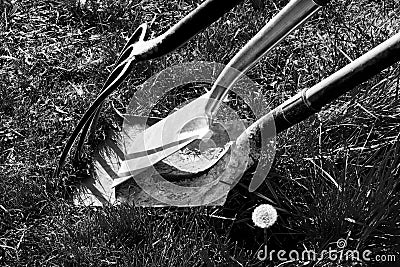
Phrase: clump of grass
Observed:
(124, 236)
(364, 206)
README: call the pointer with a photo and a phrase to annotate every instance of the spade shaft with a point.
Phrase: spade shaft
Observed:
(294, 14)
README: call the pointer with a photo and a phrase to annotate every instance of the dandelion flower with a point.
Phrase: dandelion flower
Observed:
(264, 216)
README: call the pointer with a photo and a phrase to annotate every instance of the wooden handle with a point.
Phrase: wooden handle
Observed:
(197, 20)
(311, 100)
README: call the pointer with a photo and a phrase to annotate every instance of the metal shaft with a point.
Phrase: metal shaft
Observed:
(288, 19)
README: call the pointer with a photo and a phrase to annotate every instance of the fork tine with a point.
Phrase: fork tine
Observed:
(125, 53)
(120, 73)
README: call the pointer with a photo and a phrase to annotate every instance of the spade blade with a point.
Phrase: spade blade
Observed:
(166, 137)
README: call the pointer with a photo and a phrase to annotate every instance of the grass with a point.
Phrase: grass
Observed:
(54, 56)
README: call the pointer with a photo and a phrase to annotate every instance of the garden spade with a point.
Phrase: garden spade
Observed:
(192, 121)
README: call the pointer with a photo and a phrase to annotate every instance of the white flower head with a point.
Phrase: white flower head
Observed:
(264, 216)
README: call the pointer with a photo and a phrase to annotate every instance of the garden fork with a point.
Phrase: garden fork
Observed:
(138, 49)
